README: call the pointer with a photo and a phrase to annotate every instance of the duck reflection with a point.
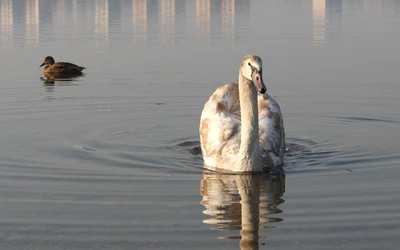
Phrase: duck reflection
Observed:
(242, 202)
(51, 78)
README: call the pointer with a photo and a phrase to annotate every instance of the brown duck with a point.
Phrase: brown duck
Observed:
(60, 67)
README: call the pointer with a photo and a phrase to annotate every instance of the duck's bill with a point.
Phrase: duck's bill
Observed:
(258, 82)
(41, 65)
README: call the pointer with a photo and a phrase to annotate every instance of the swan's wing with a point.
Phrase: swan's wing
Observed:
(272, 132)
(220, 126)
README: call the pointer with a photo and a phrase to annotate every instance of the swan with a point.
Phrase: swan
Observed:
(242, 130)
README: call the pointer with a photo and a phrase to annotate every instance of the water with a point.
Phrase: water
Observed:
(103, 162)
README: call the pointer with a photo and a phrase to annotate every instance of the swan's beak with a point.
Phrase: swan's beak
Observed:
(258, 81)
(42, 64)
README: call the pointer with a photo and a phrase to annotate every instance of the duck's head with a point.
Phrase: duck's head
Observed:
(47, 61)
(251, 69)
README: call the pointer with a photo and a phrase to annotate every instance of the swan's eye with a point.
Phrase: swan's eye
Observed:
(249, 64)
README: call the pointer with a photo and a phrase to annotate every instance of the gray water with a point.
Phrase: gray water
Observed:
(103, 162)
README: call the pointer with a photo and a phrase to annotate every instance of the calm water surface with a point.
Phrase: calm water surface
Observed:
(103, 162)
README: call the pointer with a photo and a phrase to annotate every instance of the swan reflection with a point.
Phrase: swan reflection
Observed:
(242, 202)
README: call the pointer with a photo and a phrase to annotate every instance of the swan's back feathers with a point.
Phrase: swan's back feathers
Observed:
(271, 130)
(220, 127)
(224, 101)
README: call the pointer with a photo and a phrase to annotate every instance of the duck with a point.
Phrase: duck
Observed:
(60, 67)
(241, 125)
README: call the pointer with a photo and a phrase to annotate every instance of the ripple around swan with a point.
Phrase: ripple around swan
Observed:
(155, 150)
(301, 154)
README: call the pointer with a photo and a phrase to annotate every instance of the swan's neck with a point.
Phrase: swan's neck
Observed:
(249, 152)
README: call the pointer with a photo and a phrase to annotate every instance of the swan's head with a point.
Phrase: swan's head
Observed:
(47, 61)
(251, 68)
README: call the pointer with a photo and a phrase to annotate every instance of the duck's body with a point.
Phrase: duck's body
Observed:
(60, 67)
(242, 130)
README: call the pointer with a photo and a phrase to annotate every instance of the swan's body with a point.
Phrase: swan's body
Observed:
(241, 130)
(60, 67)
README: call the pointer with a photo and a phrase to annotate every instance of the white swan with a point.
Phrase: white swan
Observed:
(241, 130)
